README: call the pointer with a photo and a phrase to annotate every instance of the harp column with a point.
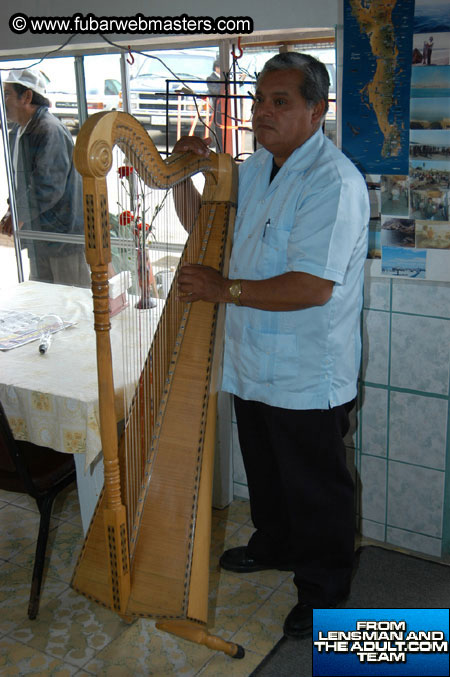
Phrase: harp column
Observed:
(98, 256)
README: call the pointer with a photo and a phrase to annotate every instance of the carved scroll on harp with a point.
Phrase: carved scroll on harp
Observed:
(152, 523)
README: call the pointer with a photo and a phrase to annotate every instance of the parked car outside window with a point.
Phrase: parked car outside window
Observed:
(185, 82)
(102, 82)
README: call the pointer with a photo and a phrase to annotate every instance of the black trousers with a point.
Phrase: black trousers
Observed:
(301, 494)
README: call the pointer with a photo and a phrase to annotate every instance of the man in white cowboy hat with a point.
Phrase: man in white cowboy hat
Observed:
(48, 188)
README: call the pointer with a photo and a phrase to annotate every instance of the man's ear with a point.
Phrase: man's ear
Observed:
(27, 96)
(318, 111)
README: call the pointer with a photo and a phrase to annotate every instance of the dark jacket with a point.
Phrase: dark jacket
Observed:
(49, 189)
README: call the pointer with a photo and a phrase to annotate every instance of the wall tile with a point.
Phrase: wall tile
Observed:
(417, 429)
(238, 464)
(415, 499)
(375, 346)
(412, 541)
(240, 490)
(373, 530)
(374, 421)
(233, 413)
(350, 440)
(373, 488)
(419, 353)
(377, 293)
(423, 298)
(351, 463)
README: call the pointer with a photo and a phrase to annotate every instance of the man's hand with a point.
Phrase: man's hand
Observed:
(187, 199)
(289, 291)
(201, 283)
(192, 144)
(6, 226)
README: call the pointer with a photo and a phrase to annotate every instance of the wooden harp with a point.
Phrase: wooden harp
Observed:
(146, 553)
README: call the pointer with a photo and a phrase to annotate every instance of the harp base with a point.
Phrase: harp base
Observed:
(198, 632)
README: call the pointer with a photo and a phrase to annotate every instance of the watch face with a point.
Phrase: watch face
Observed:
(235, 291)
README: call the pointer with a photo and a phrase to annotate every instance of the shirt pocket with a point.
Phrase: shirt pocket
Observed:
(274, 244)
(272, 358)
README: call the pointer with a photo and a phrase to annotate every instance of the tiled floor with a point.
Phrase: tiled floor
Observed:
(73, 636)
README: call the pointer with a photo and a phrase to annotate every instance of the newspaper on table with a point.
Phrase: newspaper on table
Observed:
(19, 327)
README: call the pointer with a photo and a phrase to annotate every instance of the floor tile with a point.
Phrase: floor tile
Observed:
(19, 528)
(271, 578)
(17, 659)
(143, 650)
(288, 586)
(223, 666)
(265, 628)
(73, 636)
(221, 531)
(238, 511)
(22, 500)
(71, 628)
(64, 544)
(15, 585)
(232, 601)
(66, 506)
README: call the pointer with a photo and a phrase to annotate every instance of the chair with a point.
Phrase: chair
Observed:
(42, 473)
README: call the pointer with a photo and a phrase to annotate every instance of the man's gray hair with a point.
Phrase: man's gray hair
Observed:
(36, 99)
(316, 81)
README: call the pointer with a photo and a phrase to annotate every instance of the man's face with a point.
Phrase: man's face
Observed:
(282, 119)
(15, 105)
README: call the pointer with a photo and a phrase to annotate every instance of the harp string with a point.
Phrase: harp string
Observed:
(147, 254)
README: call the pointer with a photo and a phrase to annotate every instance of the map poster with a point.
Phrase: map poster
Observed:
(378, 37)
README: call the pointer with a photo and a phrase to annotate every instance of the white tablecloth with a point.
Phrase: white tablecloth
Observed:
(52, 399)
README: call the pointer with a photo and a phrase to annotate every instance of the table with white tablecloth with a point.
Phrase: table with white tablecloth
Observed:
(51, 399)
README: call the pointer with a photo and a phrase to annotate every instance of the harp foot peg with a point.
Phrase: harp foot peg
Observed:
(196, 632)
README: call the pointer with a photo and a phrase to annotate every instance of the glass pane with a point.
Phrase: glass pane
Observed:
(103, 86)
(169, 92)
(8, 265)
(244, 73)
(102, 83)
(328, 56)
(230, 106)
(47, 188)
(61, 90)
(250, 64)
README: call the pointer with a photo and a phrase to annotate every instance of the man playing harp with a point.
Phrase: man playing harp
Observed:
(292, 337)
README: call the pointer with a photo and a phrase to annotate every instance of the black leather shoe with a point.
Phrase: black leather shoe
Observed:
(237, 559)
(299, 621)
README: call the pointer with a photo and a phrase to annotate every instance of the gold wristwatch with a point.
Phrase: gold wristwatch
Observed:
(236, 291)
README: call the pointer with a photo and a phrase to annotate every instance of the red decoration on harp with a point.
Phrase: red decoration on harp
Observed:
(125, 218)
(125, 171)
